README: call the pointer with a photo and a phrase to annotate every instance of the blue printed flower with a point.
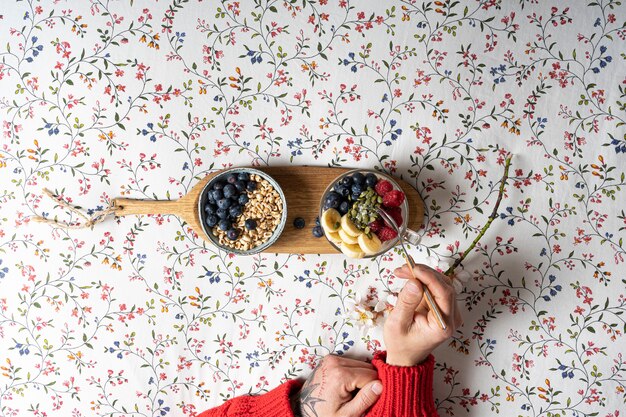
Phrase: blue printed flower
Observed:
(620, 147)
(23, 349)
(3, 271)
(213, 277)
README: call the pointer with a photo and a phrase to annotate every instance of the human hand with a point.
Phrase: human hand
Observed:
(329, 390)
(411, 331)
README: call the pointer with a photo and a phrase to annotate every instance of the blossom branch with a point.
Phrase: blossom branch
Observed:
(492, 216)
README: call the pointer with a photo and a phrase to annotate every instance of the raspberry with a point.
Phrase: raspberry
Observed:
(383, 187)
(393, 198)
(395, 213)
(387, 233)
(376, 225)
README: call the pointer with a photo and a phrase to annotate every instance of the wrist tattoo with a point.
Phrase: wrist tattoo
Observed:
(309, 399)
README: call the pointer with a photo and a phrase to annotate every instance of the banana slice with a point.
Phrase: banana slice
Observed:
(349, 227)
(331, 220)
(334, 237)
(369, 245)
(352, 251)
(347, 238)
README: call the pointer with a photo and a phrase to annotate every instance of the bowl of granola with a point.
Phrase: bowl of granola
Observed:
(242, 210)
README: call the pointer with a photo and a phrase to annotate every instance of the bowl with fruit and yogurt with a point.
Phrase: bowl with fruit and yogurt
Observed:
(348, 213)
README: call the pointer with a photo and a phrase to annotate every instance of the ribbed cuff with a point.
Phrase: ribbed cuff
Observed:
(407, 390)
(275, 403)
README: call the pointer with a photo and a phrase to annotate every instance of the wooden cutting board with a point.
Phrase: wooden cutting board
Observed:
(303, 187)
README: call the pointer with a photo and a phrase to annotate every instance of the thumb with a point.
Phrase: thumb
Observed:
(364, 399)
(408, 301)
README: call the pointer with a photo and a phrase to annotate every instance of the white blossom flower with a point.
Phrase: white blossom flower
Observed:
(458, 285)
(461, 274)
(437, 264)
(358, 311)
(392, 299)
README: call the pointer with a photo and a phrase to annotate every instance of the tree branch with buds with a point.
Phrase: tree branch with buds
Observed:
(492, 217)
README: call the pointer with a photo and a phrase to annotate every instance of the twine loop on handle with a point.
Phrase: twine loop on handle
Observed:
(89, 221)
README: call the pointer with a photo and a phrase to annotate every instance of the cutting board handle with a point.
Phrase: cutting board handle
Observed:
(128, 206)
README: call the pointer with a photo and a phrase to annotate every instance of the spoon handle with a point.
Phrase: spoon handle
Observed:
(430, 301)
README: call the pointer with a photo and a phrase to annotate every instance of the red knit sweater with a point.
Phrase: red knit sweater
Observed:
(407, 392)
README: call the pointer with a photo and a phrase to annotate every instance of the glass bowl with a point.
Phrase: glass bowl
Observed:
(409, 235)
(202, 201)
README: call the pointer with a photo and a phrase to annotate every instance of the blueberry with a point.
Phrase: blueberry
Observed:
(222, 213)
(218, 185)
(210, 199)
(250, 224)
(224, 224)
(346, 181)
(232, 178)
(235, 211)
(217, 194)
(211, 220)
(243, 199)
(317, 221)
(229, 190)
(344, 207)
(318, 231)
(299, 223)
(357, 189)
(251, 186)
(243, 176)
(210, 209)
(332, 200)
(371, 180)
(240, 185)
(233, 234)
(342, 190)
(223, 203)
(355, 197)
(358, 178)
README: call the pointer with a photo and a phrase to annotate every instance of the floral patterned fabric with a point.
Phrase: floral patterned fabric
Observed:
(140, 317)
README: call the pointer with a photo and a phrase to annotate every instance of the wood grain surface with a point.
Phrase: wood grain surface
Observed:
(303, 187)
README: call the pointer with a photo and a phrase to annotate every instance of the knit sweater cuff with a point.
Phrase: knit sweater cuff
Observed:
(276, 403)
(407, 390)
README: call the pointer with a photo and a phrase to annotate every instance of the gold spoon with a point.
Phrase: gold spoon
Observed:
(429, 298)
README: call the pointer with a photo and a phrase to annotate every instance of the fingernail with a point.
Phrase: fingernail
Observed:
(412, 287)
(377, 388)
